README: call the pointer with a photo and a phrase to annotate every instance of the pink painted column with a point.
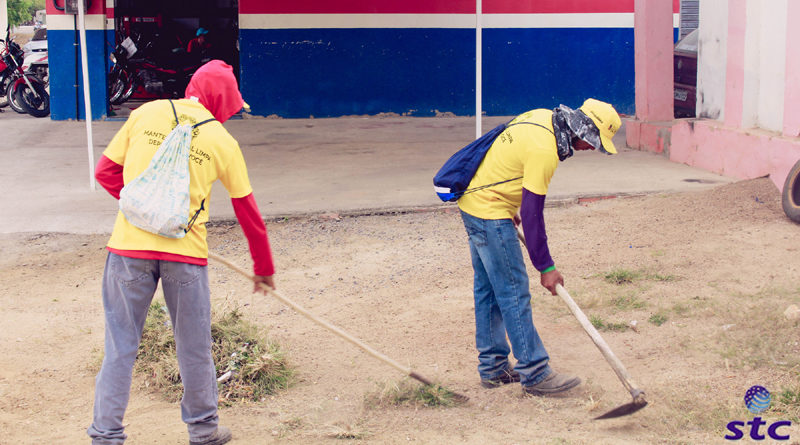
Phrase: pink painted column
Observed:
(734, 73)
(791, 106)
(653, 45)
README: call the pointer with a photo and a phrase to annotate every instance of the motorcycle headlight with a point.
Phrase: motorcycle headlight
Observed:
(112, 58)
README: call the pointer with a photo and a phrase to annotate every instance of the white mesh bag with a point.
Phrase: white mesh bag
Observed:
(158, 199)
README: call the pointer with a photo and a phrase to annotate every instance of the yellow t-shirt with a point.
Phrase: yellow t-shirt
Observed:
(524, 150)
(214, 154)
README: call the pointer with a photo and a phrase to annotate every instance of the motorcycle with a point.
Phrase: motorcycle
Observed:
(11, 57)
(120, 84)
(35, 59)
(36, 63)
(138, 66)
(24, 92)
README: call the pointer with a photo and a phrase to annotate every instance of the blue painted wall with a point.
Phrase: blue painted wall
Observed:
(297, 73)
(64, 104)
(546, 67)
(334, 72)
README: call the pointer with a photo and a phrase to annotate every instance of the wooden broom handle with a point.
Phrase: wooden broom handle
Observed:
(336, 330)
(616, 364)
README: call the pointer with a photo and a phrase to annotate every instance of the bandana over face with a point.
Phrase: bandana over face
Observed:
(568, 123)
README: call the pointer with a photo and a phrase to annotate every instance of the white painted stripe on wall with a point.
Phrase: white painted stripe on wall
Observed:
(312, 21)
(772, 64)
(712, 58)
(309, 21)
(622, 20)
(67, 22)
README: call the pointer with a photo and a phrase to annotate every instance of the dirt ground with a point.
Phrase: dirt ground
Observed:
(717, 269)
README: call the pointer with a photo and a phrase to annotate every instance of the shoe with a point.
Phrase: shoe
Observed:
(221, 436)
(552, 384)
(506, 376)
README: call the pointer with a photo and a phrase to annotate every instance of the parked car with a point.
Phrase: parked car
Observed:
(36, 59)
(37, 43)
(685, 69)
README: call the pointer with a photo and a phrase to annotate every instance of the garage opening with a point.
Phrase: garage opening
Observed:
(159, 45)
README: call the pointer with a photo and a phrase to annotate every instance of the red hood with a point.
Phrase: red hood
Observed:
(215, 86)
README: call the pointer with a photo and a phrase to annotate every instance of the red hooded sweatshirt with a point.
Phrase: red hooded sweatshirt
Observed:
(215, 87)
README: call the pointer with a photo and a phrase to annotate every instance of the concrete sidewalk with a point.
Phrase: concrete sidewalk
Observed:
(299, 166)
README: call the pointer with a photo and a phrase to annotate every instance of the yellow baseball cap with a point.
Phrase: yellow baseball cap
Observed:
(607, 120)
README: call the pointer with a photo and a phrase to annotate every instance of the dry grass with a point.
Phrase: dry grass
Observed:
(757, 333)
(786, 403)
(256, 365)
(408, 393)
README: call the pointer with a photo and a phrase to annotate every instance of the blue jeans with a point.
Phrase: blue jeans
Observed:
(128, 288)
(503, 302)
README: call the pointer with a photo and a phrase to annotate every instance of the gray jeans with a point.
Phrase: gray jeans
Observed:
(128, 288)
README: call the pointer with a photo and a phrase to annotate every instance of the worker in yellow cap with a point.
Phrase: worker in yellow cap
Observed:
(517, 169)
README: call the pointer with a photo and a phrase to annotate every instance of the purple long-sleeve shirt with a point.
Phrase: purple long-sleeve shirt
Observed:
(532, 214)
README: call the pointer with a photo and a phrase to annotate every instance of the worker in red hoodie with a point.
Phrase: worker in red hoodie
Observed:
(138, 259)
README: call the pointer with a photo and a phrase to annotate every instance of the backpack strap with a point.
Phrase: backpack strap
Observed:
(196, 214)
(475, 189)
(533, 123)
(175, 113)
(203, 122)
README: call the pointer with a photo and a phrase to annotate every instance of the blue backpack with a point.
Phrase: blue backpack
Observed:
(452, 180)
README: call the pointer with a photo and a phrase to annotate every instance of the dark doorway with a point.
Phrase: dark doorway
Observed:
(163, 31)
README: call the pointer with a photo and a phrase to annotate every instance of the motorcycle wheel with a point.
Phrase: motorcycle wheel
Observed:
(122, 90)
(117, 88)
(12, 100)
(33, 105)
(43, 73)
(130, 88)
(3, 89)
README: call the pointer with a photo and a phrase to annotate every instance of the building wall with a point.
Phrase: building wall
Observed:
(750, 76)
(791, 110)
(742, 62)
(712, 50)
(771, 63)
(3, 18)
(417, 57)
(66, 78)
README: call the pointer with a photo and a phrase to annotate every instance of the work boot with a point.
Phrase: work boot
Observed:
(554, 383)
(505, 377)
(221, 436)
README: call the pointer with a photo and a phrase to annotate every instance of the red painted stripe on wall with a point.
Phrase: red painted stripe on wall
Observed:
(358, 7)
(439, 6)
(555, 6)
(97, 7)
